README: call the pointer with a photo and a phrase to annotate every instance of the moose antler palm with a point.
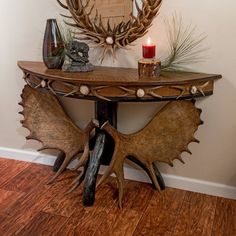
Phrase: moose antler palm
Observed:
(111, 38)
(163, 140)
(48, 123)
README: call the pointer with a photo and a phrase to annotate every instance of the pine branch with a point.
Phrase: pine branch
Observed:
(185, 47)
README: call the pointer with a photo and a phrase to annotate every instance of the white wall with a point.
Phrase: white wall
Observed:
(214, 159)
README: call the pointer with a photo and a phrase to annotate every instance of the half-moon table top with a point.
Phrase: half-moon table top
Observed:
(118, 84)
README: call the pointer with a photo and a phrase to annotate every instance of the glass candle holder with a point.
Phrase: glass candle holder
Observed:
(149, 50)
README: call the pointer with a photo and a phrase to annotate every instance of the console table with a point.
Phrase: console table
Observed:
(107, 87)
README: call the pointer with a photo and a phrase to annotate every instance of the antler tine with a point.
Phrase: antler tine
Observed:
(65, 16)
(64, 165)
(96, 16)
(107, 127)
(111, 130)
(103, 54)
(143, 18)
(153, 177)
(85, 147)
(62, 5)
(126, 33)
(107, 173)
(87, 3)
(138, 145)
(91, 10)
(156, 4)
(76, 183)
(108, 25)
(101, 24)
(70, 24)
(137, 7)
(83, 159)
(76, 4)
(120, 182)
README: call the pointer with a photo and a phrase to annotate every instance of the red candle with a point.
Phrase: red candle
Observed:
(149, 50)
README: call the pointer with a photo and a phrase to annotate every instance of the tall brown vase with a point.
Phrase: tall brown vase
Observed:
(53, 46)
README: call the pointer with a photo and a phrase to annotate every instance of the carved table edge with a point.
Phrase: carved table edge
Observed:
(126, 93)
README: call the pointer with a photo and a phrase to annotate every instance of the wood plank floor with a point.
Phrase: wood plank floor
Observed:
(29, 207)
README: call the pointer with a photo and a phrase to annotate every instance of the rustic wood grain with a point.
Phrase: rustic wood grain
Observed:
(161, 214)
(225, 218)
(149, 68)
(124, 221)
(85, 221)
(114, 76)
(144, 196)
(26, 207)
(31, 177)
(118, 84)
(43, 224)
(7, 199)
(174, 212)
(196, 215)
(10, 168)
(65, 204)
(23, 210)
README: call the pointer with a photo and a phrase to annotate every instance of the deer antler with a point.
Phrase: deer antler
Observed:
(48, 123)
(163, 140)
(111, 38)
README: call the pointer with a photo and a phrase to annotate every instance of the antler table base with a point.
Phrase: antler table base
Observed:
(163, 139)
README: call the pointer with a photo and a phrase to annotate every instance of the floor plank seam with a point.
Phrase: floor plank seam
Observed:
(145, 212)
(143, 215)
(178, 212)
(12, 177)
(212, 225)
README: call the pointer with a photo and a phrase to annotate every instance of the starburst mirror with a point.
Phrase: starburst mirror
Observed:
(111, 24)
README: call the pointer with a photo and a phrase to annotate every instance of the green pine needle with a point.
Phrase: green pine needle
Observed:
(184, 46)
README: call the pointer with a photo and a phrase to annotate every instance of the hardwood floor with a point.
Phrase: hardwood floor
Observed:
(29, 207)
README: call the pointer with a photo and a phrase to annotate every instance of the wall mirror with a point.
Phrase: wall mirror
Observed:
(115, 11)
(111, 24)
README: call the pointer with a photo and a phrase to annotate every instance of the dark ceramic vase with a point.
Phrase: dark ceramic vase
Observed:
(53, 46)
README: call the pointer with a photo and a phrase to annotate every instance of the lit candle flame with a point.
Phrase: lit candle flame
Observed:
(149, 42)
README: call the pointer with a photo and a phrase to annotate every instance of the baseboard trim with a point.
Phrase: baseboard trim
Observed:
(173, 181)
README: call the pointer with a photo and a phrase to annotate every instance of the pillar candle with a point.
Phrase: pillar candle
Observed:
(149, 50)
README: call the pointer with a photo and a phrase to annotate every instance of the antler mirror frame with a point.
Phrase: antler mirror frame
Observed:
(106, 36)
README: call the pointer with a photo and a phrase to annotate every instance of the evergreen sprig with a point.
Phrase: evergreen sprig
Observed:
(185, 47)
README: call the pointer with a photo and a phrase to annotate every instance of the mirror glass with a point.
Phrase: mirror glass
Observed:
(114, 10)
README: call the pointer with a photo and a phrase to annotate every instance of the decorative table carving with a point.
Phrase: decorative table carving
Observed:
(163, 139)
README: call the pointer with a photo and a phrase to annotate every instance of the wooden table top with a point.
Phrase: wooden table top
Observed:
(115, 75)
(118, 84)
